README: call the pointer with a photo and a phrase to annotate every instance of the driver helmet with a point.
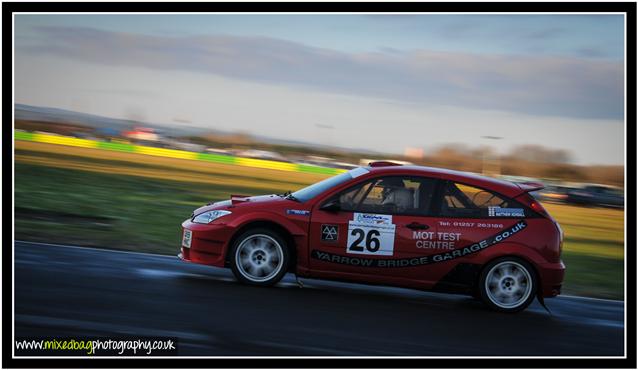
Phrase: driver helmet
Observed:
(390, 185)
(394, 192)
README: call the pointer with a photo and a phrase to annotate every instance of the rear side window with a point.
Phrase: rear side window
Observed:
(460, 200)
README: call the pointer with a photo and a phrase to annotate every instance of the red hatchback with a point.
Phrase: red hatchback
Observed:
(408, 226)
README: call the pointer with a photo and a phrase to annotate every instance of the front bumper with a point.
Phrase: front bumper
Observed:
(208, 243)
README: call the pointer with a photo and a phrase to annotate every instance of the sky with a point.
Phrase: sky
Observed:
(370, 81)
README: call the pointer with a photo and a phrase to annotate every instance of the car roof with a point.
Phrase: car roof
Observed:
(504, 187)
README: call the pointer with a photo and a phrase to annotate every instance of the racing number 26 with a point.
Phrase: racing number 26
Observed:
(372, 243)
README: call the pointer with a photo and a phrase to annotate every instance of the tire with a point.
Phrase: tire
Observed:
(508, 284)
(259, 257)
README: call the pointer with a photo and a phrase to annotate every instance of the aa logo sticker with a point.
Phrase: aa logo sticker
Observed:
(329, 233)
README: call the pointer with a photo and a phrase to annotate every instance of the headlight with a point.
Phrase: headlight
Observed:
(210, 216)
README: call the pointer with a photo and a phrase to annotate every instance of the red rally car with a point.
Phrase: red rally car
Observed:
(409, 226)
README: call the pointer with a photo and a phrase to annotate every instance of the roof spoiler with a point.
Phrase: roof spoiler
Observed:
(383, 164)
(528, 187)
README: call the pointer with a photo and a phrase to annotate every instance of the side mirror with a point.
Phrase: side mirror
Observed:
(331, 206)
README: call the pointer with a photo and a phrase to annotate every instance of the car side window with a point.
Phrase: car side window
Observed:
(460, 200)
(390, 195)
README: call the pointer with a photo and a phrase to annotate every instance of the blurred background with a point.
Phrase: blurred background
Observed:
(126, 123)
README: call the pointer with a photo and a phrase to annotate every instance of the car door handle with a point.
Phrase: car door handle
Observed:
(417, 226)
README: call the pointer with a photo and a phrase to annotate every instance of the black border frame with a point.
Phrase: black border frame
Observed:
(629, 8)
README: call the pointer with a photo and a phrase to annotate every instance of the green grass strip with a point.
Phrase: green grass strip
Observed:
(21, 135)
(118, 147)
(316, 169)
(217, 158)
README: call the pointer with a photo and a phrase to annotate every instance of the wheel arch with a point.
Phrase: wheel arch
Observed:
(271, 225)
(512, 249)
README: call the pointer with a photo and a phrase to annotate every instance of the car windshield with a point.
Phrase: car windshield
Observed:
(313, 190)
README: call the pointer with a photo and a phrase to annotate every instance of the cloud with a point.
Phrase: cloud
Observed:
(568, 87)
(122, 92)
(547, 33)
(591, 52)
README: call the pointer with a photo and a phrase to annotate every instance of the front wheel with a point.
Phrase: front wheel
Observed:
(259, 257)
(508, 284)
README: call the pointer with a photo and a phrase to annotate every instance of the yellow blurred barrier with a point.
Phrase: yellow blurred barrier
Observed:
(169, 153)
(63, 140)
(262, 163)
(172, 153)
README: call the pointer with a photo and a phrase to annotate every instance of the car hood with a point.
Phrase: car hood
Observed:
(240, 201)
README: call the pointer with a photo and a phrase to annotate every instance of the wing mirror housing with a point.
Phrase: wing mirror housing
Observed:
(331, 206)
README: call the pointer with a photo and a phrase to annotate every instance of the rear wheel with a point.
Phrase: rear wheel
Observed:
(508, 284)
(259, 257)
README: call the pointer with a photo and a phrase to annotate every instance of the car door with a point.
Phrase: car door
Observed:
(381, 226)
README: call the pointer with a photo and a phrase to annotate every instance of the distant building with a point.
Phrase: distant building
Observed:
(141, 134)
(261, 154)
(315, 160)
(416, 153)
(218, 151)
(189, 147)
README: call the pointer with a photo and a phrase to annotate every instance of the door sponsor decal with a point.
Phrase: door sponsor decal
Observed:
(423, 260)
(371, 234)
(435, 240)
(329, 233)
(370, 218)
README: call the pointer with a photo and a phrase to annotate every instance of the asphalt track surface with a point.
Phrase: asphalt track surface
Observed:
(74, 292)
